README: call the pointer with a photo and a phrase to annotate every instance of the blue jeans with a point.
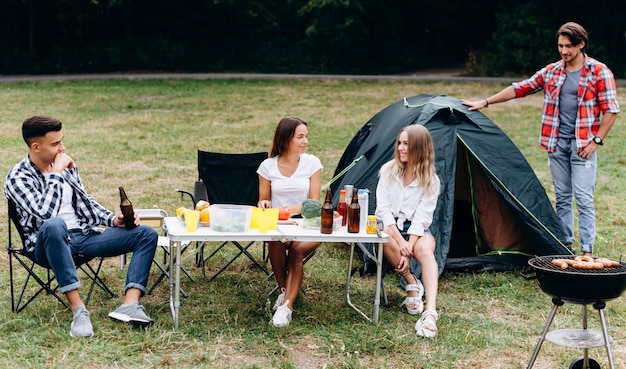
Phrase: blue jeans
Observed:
(574, 176)
(56, 245)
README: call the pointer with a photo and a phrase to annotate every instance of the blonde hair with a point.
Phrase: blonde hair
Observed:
(421, 158)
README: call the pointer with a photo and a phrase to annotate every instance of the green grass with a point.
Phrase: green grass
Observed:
(144, 134)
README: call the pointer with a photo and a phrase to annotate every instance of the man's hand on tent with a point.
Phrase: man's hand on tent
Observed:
(475, 105)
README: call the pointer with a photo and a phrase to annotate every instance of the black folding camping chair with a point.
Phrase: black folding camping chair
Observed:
(21, 293)
(230, 179)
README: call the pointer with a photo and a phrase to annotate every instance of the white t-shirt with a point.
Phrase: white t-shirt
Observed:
(66, 210)
(289, 190)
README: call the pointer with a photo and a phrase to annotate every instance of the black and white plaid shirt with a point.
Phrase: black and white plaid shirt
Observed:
(38, 198)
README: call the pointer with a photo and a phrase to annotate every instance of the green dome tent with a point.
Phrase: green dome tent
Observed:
(492, 213)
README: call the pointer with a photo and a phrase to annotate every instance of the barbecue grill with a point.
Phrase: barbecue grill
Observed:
(578, 286)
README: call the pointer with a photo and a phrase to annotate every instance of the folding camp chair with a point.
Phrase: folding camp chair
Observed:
(45, 279)
(155, 218)
(199, 193)
(230, 179)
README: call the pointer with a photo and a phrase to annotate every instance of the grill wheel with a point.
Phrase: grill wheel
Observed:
(579, 363)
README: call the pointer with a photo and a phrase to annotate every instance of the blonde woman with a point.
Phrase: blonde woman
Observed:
(406, 197)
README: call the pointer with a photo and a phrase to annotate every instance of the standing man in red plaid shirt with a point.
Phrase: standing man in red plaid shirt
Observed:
(579, 108)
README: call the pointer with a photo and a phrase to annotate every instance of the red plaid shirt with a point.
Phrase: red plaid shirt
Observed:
(596, 93)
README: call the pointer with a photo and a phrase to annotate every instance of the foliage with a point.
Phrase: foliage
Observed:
(297, 36)
(520, 43)
(524, 39)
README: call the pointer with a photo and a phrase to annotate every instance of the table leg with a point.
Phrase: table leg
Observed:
(174, 280)
(379, 263)
(348, 280)
(379, 276)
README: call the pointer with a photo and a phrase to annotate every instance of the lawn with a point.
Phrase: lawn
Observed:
(144, 135)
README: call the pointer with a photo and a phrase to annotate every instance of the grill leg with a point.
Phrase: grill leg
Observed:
(600, 306)
(585, 350)
(557, 303)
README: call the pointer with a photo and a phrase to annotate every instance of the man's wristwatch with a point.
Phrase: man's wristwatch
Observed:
(597, 140)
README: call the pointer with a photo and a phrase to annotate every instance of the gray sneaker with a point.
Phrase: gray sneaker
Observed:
(132, 313)
(81, 324)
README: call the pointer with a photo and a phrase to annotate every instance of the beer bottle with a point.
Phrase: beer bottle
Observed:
(354, 213)
(127, 210)
(327, 215)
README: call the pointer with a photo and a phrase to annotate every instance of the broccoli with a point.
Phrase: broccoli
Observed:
(311, 208)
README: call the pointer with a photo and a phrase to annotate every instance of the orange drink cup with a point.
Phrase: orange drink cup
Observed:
(192, 217)
(263, 223)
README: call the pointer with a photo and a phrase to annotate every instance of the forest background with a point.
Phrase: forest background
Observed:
(481, 37)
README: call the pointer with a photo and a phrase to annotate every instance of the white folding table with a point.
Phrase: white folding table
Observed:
(177, 234)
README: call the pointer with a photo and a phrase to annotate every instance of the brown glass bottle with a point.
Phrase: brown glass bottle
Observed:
(327, 214)
(354, 213)
(127, 210)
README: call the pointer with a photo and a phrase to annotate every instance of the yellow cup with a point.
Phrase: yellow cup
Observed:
(254, 219)
(192, 217)
(263, 223)
(258, 216)
(272, 215)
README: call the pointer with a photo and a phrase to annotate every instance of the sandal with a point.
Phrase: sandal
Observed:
(414, 301)
(280, 299)
(427, 328)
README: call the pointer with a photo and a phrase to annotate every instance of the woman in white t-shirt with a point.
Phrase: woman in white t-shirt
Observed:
(287, 178)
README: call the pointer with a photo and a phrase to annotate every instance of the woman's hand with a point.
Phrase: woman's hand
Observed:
(404, 266)
(294, 209)
(406, 249)
(264, 204)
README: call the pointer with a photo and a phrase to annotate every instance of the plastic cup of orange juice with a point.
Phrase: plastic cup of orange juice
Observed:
(263, 223)
(192, 217)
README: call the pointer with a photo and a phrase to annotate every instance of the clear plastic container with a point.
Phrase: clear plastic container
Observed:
(230, 218)
(364, 195)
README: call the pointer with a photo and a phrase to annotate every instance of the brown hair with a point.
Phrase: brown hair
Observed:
(37, 126)
(574, 32)
(284, 133)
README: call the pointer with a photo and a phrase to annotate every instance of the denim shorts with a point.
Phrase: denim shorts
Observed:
(405, 229)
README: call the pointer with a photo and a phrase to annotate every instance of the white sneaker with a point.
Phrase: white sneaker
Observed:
(279, 299)
(282, 316)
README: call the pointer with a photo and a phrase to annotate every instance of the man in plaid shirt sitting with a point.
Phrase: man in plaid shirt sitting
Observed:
(60, 220)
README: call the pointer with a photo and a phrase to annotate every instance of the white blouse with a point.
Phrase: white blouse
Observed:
(289, 190)
(406, 203)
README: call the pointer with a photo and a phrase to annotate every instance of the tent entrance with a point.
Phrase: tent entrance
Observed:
(483, 223)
